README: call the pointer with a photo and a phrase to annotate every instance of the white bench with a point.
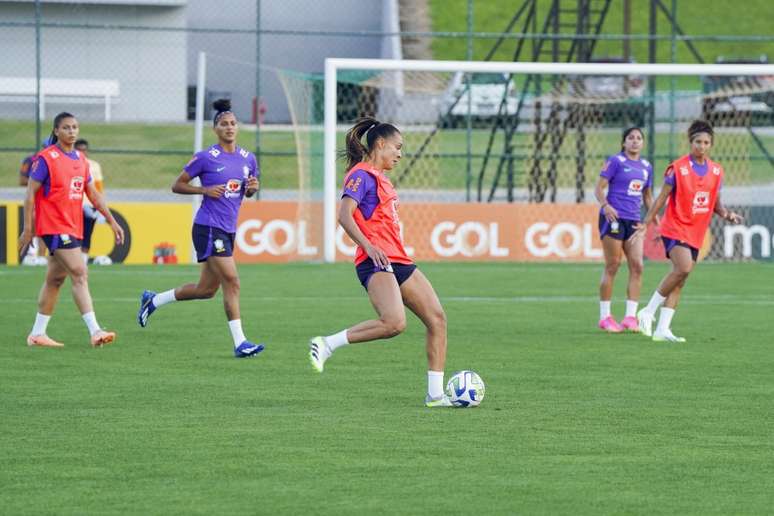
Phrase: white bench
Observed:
(23, 89)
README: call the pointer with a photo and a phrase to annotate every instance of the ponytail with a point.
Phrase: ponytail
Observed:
(58, 120)
(355, 151)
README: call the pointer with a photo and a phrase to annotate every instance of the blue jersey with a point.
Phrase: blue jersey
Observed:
(627, 180)
(213, 167)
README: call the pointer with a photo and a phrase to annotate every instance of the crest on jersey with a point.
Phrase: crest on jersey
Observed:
(215, 152)
(684, 171)
(635, 187)
(233, 188)
(701, 202)
(76, 187)
(716, 171)
(54, 154)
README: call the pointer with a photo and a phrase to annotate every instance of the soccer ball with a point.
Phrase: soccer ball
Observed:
(465, 389)
(102, 260)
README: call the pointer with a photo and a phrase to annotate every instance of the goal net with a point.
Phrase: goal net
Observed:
(500, 159)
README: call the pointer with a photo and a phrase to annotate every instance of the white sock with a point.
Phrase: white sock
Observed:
(163, 298)
(631, 308)
(41, 323)
(336, 340)
(435, 384)
(604, 310)
(91, 321)
(655, 301)
(665, 321)
(236, 331)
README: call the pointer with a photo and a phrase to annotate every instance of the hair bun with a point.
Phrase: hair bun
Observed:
(222, 105)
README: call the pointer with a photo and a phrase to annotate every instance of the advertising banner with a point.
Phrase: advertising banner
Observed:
(155, 233)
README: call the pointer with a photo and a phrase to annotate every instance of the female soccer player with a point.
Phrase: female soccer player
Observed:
(629, 183)
(58, 178)
(691, 193)
(369, 214)
(227, 173)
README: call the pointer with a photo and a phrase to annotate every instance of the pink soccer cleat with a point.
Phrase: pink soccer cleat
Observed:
(630, 323)
(102, 337)
(609, 325)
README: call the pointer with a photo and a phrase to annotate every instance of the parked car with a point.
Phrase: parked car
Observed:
(739, 100)
(617, 100)
(486, 94)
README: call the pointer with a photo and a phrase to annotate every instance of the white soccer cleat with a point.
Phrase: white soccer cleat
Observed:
(443, 401)
(666, 336)
(318, 353)
(645, 321)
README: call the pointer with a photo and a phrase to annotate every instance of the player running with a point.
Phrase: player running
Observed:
(59, 176)
(629, 183)
(228, 173)
(369, 214)
(691, 193)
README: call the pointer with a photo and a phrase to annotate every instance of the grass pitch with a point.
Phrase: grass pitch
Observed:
(574, 421)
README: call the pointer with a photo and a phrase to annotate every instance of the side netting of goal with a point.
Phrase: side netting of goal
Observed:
(500, 159)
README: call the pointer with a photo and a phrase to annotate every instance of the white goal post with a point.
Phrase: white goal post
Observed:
(334, 65)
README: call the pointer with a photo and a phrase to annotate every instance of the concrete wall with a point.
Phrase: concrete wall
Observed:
(231, 62)
(150, 66)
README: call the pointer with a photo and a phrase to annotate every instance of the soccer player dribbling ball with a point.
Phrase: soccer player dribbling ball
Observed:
(691, 193)
(369, 214)
(59, 177)
(228, 173)
(629, 183)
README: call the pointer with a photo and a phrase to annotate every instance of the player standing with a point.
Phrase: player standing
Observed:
(369, 214)
(227, 173)
(629, 183)
(691, 193)
(58, 178)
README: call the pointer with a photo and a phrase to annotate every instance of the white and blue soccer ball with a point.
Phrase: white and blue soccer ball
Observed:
(465, 389)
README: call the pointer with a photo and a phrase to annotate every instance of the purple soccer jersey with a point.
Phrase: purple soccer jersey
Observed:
(213, 167)
(627, 179)
(362, 188)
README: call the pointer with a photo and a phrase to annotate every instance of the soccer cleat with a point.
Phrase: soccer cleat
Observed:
(247, 349)
(666, 336)
(43, 341)
(610, 325)
(146, 308)
(630, 323)
(102, 337)
(645, 321)
(443, 401)
(318, 353)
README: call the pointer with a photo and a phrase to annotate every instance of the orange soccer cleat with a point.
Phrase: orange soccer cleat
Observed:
(43, 341)
(102, 337)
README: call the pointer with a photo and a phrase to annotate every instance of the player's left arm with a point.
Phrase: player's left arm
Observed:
(252, 179)
(100, 205)
(726, 214)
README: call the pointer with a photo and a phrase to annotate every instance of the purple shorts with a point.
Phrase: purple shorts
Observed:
(367, 268)
(670, 243)
(54, 242)
(622, 229)
(211, 241)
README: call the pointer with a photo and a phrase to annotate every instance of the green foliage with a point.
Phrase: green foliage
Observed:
(574, 421)
(710, 17)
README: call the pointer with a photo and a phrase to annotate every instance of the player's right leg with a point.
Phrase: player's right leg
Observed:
(612, 250)
(47, 298)
(205, 289)
(384, 293)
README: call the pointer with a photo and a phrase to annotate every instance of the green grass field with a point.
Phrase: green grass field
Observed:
(574, 421)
